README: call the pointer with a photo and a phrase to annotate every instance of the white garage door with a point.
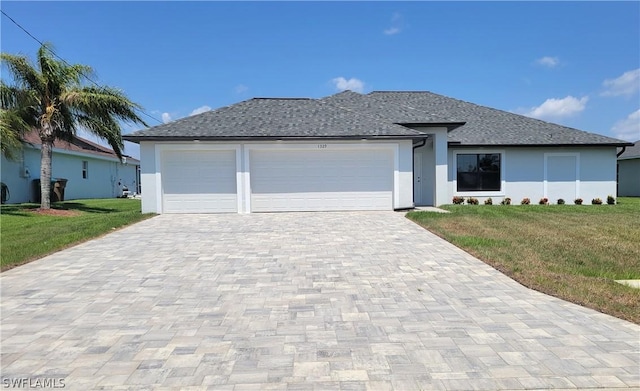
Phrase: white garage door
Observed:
(199, 181)
(321, 180)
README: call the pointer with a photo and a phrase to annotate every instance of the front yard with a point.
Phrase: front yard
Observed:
(568, 251)
(26, 235)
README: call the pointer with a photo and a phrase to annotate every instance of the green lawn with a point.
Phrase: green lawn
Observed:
(25, 235)
(569, 251)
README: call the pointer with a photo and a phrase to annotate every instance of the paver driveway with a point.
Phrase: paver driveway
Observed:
(300, 301)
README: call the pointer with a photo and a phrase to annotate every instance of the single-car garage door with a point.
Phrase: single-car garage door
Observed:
(321, 180)
(199, 181)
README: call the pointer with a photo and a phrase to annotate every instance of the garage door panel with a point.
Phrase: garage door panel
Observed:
(321, 180)
(199, 181)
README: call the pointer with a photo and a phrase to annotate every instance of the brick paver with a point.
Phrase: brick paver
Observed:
(297, 301)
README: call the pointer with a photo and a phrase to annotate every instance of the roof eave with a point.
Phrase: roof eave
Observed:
(449, 125)
(138, 139)
(463, 144)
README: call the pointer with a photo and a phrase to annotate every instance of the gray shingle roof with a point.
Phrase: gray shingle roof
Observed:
(632, 152)
(375, 115)
(277, 118)
(487, 126)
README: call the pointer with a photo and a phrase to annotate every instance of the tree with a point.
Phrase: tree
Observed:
(52, 99)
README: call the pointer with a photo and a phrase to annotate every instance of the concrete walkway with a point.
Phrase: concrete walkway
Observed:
(306, 301)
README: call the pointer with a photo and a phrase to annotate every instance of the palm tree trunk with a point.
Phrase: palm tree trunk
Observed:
(45, 171)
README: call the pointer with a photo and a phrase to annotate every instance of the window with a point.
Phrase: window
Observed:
(85, 169)
(478, 172)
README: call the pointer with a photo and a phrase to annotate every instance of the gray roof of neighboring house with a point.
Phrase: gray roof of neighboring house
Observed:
(374, 115)
(632, 152)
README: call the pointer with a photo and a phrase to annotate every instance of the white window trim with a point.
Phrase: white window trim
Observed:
(85, 169)
(492, 193)
(572, 154)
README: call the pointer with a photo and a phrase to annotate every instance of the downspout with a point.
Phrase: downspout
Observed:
(621, 152)
(413, 169)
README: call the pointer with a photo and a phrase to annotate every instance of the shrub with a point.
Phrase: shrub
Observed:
(472, 201)
(544, 201)
(578, 201)
(525, 201)
(506, 201)
(488, 201)
(596, 201)
(458, 200)
(611, 200)
(560, 201)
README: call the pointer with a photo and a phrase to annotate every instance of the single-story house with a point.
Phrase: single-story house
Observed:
(91, 170)
(629, 171)
(351, 151)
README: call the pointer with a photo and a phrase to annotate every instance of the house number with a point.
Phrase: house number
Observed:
(322, 146)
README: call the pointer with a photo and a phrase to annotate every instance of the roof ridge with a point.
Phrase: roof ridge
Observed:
(271, 98)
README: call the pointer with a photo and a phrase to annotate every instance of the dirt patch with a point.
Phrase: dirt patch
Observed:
(55, 212)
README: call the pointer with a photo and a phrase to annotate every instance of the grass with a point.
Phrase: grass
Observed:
(569, 251)
(26, 235)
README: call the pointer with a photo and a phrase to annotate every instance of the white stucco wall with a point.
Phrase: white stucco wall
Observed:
(629, 177)
(106, 177)
(151, 175)
(523, 173)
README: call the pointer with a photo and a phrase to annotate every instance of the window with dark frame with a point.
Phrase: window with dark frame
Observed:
(85, 169)
(478, 172)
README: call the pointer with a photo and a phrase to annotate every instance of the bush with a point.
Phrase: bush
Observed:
(560, 201)
(458, 200)
(488, 201)
(506, 201)
(544, 201)
(611, 200)
(596, 201)
(578, 201)
(472, 201)
(525, 201)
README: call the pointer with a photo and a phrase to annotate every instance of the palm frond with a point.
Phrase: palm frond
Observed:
(103, 100)
(12, 127)
(24, 73)
(104, 127)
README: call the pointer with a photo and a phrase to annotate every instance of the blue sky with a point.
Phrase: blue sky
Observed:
(572, 63)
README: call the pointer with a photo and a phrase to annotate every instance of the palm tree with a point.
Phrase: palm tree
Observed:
(52, 99)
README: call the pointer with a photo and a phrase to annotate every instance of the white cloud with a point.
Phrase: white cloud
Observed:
(627, 84)
(240, 88)
(166, 117)
(555, 108)
(396, 24)
(200, 110)
(549, 62)
(392, 31)
(352, 84)
(628, 128)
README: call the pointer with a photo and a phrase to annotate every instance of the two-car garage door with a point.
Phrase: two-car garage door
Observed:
(204, 181)
(321, 180)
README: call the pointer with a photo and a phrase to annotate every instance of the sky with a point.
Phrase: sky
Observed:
(571, 63)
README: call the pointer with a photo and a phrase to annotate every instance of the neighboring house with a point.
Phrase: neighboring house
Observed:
(379, 151)
(629, 171)
(92, 171)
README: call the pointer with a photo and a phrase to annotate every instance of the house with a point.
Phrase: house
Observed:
(629, 171)
(379, 151)
(92, 171)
